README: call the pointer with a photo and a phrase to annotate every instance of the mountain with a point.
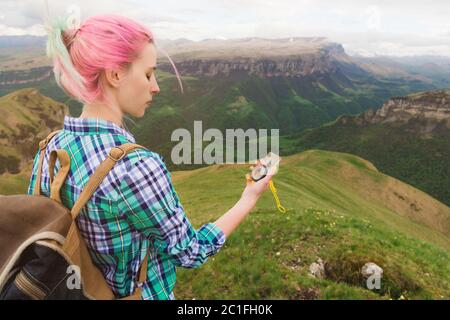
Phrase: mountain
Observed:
(26, 41)
(24, 77)
(423, 68)
(299, 57)
(407, 138)
(27, 117)
(292, 84)
(22, 53)
(288, 83)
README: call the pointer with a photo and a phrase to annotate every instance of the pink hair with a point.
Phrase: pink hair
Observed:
(102, 42)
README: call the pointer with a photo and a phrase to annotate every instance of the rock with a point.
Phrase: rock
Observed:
(317, 269)
(371, 268)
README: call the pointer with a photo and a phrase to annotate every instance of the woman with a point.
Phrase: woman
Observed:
(108, 64)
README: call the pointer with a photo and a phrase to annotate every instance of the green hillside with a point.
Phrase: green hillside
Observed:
(400, 151)
(342, 210)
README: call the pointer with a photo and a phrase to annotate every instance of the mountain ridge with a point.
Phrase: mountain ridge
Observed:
(406, 138)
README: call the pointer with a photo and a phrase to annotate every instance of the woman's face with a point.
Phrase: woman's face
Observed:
(139, 85)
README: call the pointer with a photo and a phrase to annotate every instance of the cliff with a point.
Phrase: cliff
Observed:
(427, 112)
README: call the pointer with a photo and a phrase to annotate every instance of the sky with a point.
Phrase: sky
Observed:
(381, 27)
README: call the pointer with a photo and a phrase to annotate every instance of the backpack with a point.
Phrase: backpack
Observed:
(43, 255)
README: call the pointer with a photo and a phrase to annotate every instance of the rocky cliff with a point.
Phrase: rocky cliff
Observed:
(428, 112)
(14, 77)
(294, 57)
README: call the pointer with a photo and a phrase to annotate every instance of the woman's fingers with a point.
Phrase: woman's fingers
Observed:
(248, 178)
(267, 178)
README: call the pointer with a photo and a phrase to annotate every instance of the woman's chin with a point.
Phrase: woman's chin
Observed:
(141, 114)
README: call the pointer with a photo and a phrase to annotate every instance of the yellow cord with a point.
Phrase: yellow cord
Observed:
(275, 195)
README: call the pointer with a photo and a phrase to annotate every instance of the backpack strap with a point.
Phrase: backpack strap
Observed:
(64, 160)
(142, 278)
(42, 145)
(115, 155)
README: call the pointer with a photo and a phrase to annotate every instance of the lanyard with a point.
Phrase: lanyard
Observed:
(275, 195)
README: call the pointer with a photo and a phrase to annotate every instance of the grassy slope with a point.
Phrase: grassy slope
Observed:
(399, 152)
(339, 210)
(331, 217)
(27, 116)
(14, 183)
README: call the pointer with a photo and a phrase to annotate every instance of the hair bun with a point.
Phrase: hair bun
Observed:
(69, 36)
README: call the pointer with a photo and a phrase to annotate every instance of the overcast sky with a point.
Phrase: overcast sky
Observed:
(400, 27)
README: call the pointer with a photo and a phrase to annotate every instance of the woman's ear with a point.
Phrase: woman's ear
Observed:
(113, 77)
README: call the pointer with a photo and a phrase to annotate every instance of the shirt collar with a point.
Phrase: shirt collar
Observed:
(85, 126)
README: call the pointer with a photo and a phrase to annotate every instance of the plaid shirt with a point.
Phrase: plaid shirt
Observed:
(134, 210)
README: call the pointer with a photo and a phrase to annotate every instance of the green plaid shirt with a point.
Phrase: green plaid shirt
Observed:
(135, 210)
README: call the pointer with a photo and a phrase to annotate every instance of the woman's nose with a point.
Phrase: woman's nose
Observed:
(154, 88)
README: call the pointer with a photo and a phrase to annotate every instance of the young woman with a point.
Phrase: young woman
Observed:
(109, 64)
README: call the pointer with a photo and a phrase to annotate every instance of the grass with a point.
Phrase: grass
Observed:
(268, 257)
(13, 183)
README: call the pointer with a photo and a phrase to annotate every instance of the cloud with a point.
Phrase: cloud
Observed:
(366, 25)
(35, 30)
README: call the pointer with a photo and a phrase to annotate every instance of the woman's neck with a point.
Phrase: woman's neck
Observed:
(102, 111)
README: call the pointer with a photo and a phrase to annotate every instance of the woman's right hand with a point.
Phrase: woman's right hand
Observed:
(254, 190)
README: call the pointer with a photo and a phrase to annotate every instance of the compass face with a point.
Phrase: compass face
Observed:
(267, 166)
(271, 161)
(259, 172)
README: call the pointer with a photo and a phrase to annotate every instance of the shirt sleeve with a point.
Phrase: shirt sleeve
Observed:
(149, 202)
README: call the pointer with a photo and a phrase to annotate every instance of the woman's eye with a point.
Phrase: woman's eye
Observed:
(149, 76)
